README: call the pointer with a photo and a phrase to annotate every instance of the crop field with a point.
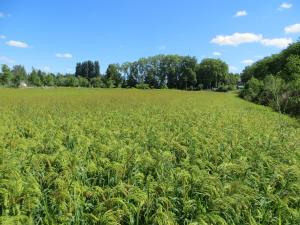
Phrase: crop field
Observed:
(112, 156)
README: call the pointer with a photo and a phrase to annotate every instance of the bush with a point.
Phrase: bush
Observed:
(253, 89)
(97, 82)
(225, 88)
(274, 92)
(293, 98)
(142, 86)
(83, 82)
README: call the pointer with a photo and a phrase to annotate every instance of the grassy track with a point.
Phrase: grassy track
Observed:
(96, 156)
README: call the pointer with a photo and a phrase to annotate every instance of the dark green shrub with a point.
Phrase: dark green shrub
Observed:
(226, 88)
(142, 86)
(253, 89)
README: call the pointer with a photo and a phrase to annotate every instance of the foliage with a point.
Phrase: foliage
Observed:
(97, 82)
(99, 156)
(88, 69)
(159, 72)
(253, 89)
(142, 86)
(285, 64)
(225, 88)
(113, 76)
(211, 72)
(6, 76)
(274, 81)
(34, 78)
(18, 75)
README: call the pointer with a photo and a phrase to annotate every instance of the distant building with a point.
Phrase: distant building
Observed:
(23, 84)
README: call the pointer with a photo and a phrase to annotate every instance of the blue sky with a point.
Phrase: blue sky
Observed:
(54, 35)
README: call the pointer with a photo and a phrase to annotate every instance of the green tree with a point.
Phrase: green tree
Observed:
(113, 76)
(211, 72)
(71, 81)
(291, 70)
(187, 69)
(19, 75)
(133, 76)
(6, 76)
(34, 78)
(253, 89)
(87, 69)
(78, 70)
(273, 92)
(83, 82)
(97, 82)
(49, 80)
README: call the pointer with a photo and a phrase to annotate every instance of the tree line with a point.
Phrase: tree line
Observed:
(275, 81)
(161, 71)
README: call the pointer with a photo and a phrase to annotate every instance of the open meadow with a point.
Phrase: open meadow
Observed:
(117, 156)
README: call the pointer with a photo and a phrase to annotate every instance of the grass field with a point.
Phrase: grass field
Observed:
(97, 156)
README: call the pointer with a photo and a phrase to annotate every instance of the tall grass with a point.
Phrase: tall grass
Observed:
(86, 156)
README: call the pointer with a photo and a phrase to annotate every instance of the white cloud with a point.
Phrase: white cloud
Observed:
(2, 36)
(64, 55)
(277, 42)
(241, 13)
(295, 28)
(248, 61)
(17, 44)
(285, 6)
(236, 39)
(6, 59)
(217, 53)
(241, 38)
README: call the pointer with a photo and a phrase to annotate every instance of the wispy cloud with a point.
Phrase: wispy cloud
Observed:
(217, 53)
(294, 28)
(17, 44)
(285, 5)
(242, 38)
(248, 62)
(3, 15)
(241, 13)
(2, 36)
(233, 69)
(162, 47)
(6, 60)
(64, 55)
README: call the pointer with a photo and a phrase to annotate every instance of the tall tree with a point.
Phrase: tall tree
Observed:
(6, 76)
(34, 78)
(133, 76)
(87, 69)
(96, 69)
(211, 72)
(78, 70)
(113, 76)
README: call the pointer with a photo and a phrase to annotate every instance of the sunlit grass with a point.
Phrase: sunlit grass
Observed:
(104, 156)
